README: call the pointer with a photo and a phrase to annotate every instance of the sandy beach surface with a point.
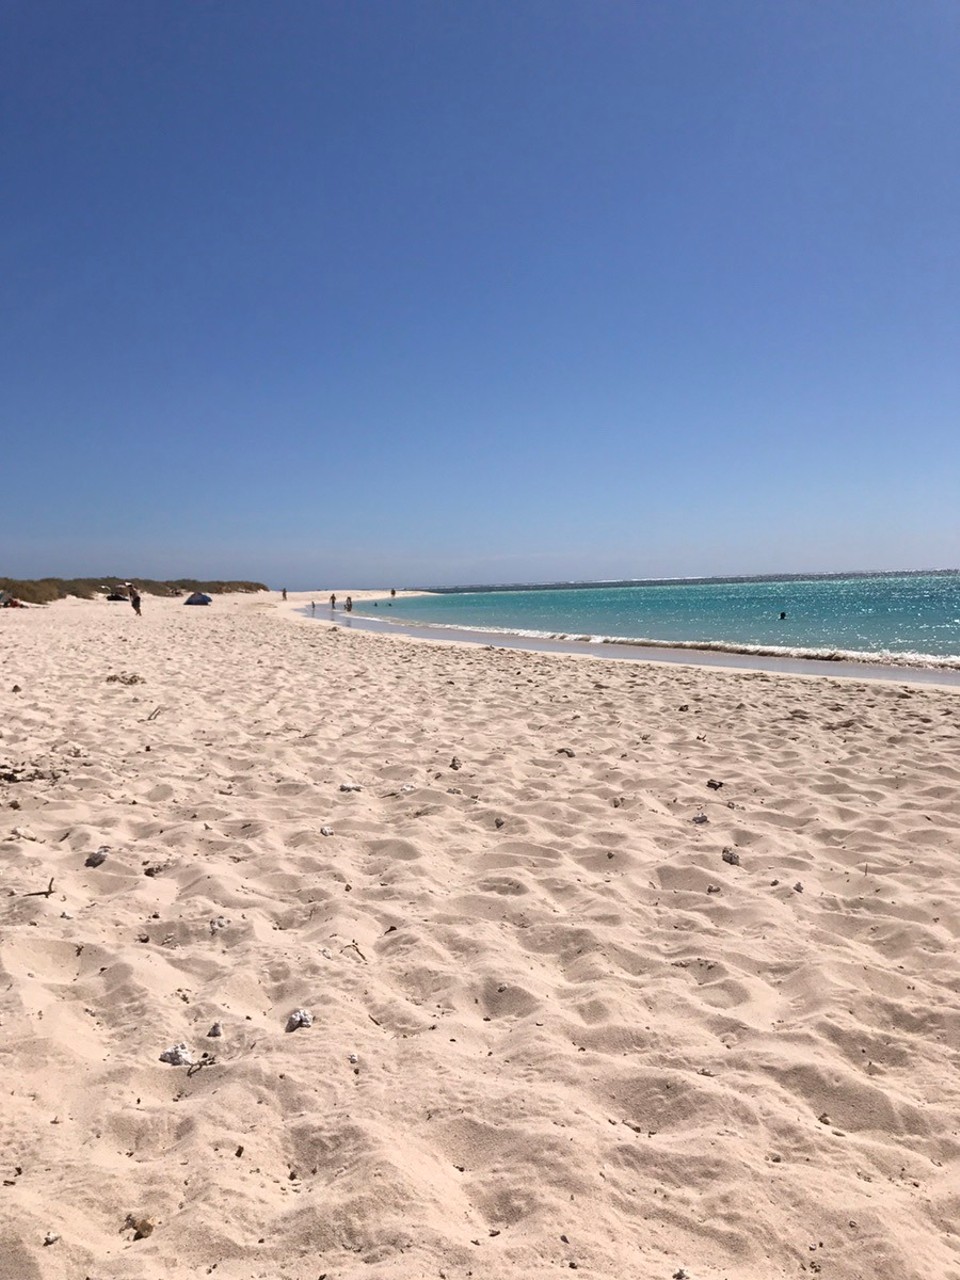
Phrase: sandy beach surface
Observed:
(642, 971)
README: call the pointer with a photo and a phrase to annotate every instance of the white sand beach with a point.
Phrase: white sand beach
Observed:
(637, 970)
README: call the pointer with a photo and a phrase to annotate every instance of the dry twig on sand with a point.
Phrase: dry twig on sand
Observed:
(40, 893)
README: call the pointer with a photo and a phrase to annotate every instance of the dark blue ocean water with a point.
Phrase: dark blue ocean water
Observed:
(910, 619)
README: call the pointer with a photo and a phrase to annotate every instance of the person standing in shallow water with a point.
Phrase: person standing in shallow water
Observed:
(349, 605)
(333, 602)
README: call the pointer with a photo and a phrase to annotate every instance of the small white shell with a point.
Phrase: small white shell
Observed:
(299, 1018)
(178, 1055)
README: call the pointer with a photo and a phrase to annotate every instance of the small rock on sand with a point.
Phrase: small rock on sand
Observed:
(141, 1227)
(178, 1055)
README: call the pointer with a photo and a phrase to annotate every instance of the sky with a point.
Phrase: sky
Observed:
(421, 292)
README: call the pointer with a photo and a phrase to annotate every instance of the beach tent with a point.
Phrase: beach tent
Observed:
(198, 598)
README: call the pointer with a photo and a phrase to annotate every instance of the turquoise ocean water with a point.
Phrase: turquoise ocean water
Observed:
(903, 620)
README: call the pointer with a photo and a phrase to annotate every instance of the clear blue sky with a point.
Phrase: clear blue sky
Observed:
(399, 292)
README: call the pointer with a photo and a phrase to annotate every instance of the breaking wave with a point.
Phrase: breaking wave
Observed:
(880, 657)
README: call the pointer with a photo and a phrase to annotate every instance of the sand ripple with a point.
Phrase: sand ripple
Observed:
(551, 1026)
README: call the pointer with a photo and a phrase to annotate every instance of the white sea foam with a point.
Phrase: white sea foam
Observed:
(879, 657)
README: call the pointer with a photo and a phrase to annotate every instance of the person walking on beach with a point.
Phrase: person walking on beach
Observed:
(284, 593)
(333, 601)
(134, 595)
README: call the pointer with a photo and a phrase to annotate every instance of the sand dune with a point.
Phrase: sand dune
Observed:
(553, 1028)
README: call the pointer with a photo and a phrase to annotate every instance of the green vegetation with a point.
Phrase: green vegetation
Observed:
(44, 590)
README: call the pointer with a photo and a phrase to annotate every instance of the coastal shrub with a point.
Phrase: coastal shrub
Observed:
(45, 590)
